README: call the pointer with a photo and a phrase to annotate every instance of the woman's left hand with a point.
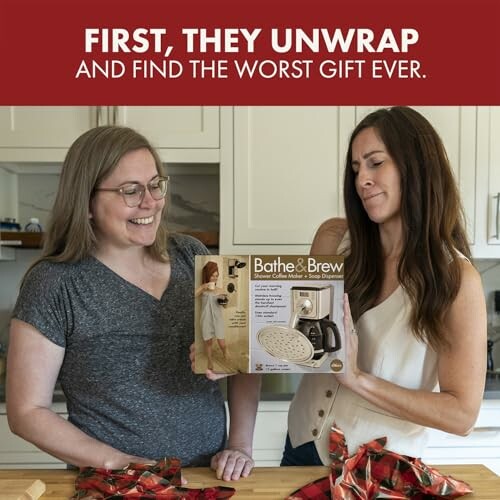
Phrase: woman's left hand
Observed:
(231, 464)
(351, 370)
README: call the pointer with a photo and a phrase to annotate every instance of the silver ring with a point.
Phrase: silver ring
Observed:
(353, 331)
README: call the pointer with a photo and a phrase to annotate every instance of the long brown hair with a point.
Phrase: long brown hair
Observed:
(91, 158)
(432, 223)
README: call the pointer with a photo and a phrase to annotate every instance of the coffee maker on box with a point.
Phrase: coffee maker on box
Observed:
(312, 315)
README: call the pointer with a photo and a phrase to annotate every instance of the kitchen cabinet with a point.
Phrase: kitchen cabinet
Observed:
(481, 446)
(269, 439)
(41, 133)
(487, 209)
(8, 194)
(270, 433)
(282, 170)
(180, 133)
(16, 453)
(44, 133)
(280, 176)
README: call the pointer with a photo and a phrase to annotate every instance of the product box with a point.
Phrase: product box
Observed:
(269, 314)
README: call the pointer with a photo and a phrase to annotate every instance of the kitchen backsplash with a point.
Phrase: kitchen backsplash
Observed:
(193, 197)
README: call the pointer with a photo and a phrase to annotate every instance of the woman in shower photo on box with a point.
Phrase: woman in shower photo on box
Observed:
(213, 300)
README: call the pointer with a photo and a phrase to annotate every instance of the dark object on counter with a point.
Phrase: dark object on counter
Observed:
(33, 226)
(489, 360)
(9, 224)
(497, 301)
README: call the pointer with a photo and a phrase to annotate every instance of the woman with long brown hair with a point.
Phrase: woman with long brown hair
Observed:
(109, 311)
(415, 316)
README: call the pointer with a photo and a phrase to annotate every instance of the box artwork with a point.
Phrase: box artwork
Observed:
(269, 314)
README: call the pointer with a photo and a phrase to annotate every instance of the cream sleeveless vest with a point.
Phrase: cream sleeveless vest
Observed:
(387, 349)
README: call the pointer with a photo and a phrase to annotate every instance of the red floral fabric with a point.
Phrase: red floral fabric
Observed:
(141, 482)
(375, 472)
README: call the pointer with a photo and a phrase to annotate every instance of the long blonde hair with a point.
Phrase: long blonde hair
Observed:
(70, 235)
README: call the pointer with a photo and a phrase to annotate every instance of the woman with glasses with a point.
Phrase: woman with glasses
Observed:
(108, 311)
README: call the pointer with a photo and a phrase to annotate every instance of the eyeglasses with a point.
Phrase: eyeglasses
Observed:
(133, 193)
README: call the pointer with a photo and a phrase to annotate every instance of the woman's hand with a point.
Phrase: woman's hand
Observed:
(231, 464)
(351, 370)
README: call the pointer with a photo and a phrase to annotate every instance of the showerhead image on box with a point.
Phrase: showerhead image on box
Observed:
(221, 314)
(311, 333)
(269, 314)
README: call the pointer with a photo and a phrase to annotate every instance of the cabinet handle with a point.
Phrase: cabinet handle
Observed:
(486, 429)
(498, 213)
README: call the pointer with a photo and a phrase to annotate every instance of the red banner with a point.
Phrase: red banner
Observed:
(249, 52)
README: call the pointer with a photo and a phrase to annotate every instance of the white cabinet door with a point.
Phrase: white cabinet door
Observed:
(44, 133)
(41, 133)
(488, 185)
(481, 446)
(270, 433)
(281, 180)
(190, 132)
(8, 195)
(16, 453)
(285, 171)
(457, 127)
(494, 180)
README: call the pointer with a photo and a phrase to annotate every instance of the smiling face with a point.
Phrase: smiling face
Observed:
(377, 178)
(115, 224)
(214, 277)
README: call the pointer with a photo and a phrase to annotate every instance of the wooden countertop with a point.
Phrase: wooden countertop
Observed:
(270, 483)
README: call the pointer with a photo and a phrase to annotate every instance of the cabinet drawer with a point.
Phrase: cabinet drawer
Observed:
(270, 430)
(267, 458)
(17, 453)
(483, 437)
(270, 433)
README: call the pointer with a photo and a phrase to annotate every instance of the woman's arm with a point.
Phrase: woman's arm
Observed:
(243, 400)
(461, 368)
(32, 369)
(201, 289)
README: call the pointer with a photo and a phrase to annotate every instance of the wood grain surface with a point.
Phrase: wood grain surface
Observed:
(270, 483)
(21, 489)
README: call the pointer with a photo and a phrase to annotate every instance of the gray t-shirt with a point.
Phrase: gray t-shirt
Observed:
(126, 372)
